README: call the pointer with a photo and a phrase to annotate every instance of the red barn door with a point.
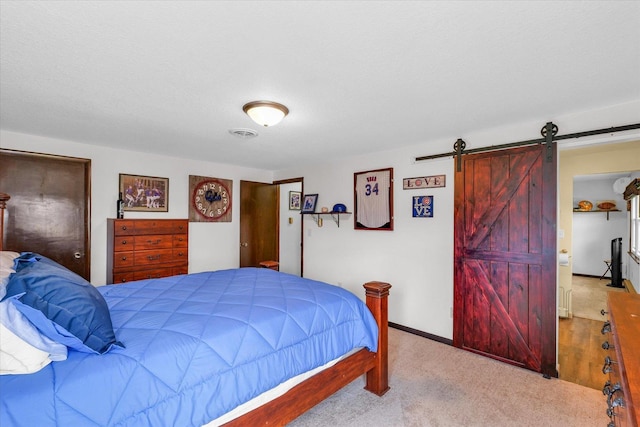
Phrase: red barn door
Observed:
(505, 257)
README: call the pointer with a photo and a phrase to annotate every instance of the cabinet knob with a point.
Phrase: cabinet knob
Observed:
(603, 312)
(124, 258)
(606, 368)
(124, 227)
(607, 346)
(124, 242)
(606, 327)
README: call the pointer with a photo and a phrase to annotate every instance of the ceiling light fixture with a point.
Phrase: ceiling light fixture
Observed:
(265, 113)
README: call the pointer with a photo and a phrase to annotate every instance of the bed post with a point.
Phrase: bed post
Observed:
(3, 204)
(378, 377)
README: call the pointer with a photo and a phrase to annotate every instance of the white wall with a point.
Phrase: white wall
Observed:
(592, 231)
(212, 246)
(417, 257)
(290, 234)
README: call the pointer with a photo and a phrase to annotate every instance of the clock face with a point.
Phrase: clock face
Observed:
(210, 199)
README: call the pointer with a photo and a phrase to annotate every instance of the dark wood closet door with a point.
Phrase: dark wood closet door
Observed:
(49, 208)
(505, 257)
(258, 223)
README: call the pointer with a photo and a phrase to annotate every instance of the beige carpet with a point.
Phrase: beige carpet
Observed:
(434, 384)
(589, 296)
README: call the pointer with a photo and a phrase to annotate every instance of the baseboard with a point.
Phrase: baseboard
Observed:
(627, 284)
(591, 275)
(421, 333)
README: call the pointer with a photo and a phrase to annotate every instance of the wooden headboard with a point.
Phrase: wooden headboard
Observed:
(3, 204)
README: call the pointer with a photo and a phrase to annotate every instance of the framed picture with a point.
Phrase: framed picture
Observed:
(422, 206)
(373, 199)
(309, 205)
(294, 200)
(144, 193)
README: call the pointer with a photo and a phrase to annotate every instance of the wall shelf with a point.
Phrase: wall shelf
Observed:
(598, 210)
(335, 215)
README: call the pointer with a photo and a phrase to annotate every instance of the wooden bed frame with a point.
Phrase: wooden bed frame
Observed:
(312, 391)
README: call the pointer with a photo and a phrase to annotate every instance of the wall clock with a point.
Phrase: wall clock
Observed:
(209, 199)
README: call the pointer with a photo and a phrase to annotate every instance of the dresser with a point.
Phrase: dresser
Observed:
(146, 248)
(622, 390)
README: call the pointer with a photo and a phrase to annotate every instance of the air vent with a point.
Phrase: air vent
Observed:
(243, 133)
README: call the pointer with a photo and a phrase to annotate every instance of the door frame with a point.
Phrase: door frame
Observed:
(290, 181)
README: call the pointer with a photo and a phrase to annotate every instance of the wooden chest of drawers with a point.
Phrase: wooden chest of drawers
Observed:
(146, 248)
(623, 363)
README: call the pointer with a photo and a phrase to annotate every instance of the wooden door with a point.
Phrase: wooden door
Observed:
(505, 257)
(258, 223)
(49, 208)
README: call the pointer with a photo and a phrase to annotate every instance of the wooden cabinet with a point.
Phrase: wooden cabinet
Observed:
(622, 390)
(146, 248)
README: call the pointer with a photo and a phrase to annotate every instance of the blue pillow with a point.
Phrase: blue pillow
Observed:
(63, 305)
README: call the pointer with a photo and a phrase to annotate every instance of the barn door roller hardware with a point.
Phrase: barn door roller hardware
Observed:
(549, 134)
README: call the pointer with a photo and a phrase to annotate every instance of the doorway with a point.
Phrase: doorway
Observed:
(580, 354)
(270, 227)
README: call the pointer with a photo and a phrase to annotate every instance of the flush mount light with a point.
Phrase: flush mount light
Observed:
(265, 113)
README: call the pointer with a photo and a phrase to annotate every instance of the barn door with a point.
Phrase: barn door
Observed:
(505, 262)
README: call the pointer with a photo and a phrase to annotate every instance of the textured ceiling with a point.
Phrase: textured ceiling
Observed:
(172, 77)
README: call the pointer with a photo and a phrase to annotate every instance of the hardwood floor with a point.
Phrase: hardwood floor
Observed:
(580, 352)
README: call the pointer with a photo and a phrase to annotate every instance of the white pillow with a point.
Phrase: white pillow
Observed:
(18, 356)
(6, 268)
(12, 320)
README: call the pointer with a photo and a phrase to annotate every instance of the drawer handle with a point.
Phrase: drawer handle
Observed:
(603, 312)
(618, 401)
(151, 242)
(609, 389)
(124, 242)
(607, 346)
(180, 239)
(123, 280)
(151, 257)
(606, 368)
(180, 253)
(606, 327)
(124, 227)
(124, 258)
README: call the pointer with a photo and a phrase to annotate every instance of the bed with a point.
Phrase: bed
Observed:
(197, 349)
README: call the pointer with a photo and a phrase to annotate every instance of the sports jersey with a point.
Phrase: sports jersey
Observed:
(372, 196)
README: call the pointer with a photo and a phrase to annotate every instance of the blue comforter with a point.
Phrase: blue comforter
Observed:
(197, 346)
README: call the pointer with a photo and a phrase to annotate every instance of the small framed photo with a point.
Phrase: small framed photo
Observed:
(144, 193)
(309, 205)
(423, 206)
(294, 200)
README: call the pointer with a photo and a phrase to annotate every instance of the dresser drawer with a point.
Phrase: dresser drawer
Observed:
(155, 273)
(123, 277)
(123, 259)
(180, 241)
(123, 243)
(160, 256)
(153, 241)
